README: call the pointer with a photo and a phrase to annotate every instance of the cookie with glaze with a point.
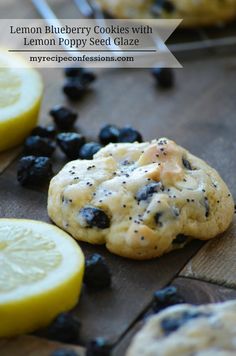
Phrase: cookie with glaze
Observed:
(140, 199)
(184, 330)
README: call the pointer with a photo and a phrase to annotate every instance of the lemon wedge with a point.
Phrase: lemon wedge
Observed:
(21, 91)
(41, 274)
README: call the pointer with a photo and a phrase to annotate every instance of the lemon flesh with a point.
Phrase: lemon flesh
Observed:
(41, 274)
(21, 91)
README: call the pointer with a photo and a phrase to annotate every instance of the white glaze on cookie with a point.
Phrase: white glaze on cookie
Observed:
(151, 198)
(185, 330)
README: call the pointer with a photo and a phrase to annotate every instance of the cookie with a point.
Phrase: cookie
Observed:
(184, 330)
(193, 12)
(140, 199)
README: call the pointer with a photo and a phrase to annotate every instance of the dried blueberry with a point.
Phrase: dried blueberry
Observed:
(95, 217)
(148, 190)
(98, 347)
(164, 77)
(65, 328)
(160, 5)
(39, 146)
(73, 71)
(85, 76)
(180, 239)
(70, 143)
(74, 88)
(170, 325)
(128, 134)
(34, 170)
(89, 149)
(97, 274)
(187, 164)
(44, 131)
(64, 118)
(108, 133)
(64, 352)
(163, 298)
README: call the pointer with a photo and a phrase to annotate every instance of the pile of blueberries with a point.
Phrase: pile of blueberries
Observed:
(35, 167)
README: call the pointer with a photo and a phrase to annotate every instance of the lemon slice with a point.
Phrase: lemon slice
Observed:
(41, 274)
(20, 98)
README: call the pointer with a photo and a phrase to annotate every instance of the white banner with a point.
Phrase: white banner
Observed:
(85, 43)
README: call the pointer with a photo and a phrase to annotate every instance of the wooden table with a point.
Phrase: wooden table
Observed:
(200, 114)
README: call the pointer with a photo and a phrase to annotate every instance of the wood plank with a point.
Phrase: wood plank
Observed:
(27, 345)
(215, 262)
(193, 292)
(199, 292)
(7, 157)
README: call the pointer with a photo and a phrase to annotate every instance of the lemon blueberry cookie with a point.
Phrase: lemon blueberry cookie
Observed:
(193, 12)
(140, 199)
(188, 330)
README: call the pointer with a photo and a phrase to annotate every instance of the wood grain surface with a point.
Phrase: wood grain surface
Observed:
(199, 113)
(216, 261)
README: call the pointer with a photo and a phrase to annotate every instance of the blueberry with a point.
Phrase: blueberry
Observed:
(44, 131)
(73, 71)
(160, 5)
(85, 76)
(108, 134)
(64, 117)
(34, 170)
(187, 164)
(170, 325)
(95, 217)
(128, 134)
(70, 143)
(180, 239)
(97, 274)
(98, 347)
(163, 298)
(64, 352)
(74, 89)
(89, 149)
(39, 146)
(167, 5)
(65, 328)
(164, 77)
(148, 190)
